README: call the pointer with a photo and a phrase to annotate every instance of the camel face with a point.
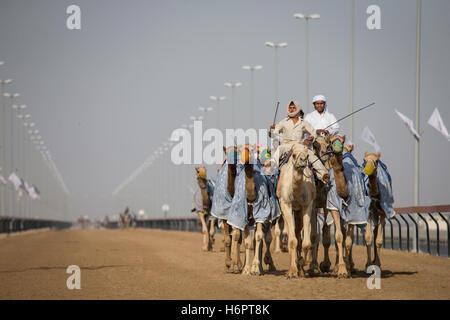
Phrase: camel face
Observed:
(247, 152)
(201, 172)
(348, 148)
(371, 162)
(231, 154)
(337, 143)
(300, 156)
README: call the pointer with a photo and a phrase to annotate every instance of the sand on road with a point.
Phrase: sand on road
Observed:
(157, 264)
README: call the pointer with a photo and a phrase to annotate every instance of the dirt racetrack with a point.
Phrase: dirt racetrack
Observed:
(156, 264)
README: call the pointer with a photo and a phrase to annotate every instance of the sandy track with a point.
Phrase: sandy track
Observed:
(156, 264)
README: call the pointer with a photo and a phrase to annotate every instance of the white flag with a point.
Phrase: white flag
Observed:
(2, 178)
(368, 137)
(28, 188)
(15, 180)
(35, 194)
(409, 124)
(436, 122)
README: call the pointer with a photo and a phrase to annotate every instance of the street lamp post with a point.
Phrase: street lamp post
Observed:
(307, 18)
(252, 107)
(218, 99)
(232, 86)
(276, 46)
(205, 110)
(12, 96)
(20, 116)
(3, 83)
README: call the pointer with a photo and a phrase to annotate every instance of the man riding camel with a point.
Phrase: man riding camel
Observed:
(294, 129)
(321, 118)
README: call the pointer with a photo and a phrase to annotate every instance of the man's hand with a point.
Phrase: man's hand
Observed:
(320, 131)
(307, 142)
(272, 127)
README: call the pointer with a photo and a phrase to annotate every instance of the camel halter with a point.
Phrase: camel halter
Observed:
(336, 145)
(369, 167)
(232, 157)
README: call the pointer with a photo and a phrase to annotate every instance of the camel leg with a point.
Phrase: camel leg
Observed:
(284, 237)
(236, 264)
(276, 234)
(205, 235)
(212, 231)
(378, 240)
(268, 256)
(340, 268)
(247, 240)
(307, 247)
(222, 228)
(368, 237)
(227, 243)
(326, 242)
(289, 224)
(348, 246)
(298, 234)
(256, 269)
(314, 265)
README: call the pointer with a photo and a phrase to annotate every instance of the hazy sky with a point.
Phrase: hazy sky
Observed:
(106, 96)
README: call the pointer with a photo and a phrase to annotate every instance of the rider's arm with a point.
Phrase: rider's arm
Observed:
(308, 128)
(334, 129)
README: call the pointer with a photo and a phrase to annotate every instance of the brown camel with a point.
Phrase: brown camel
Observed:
(208, 233)
(377, 215)
(296, 192)
(322, 149)
(253, 267)
(232, 236)
(342, 190)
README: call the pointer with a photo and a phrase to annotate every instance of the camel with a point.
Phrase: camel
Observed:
(342, 190)
(221, 202)
(322, 149)
(380, 191)
(296, 192)
(207, 231)
(351, 205)
(251, 192)
(252, 206)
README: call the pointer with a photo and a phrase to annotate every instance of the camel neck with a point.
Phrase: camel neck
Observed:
(231, 179)
(373, 185)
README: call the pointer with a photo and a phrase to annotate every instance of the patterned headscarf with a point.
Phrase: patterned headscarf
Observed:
(297, 109)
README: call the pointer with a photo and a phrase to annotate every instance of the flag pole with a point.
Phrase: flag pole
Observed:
(417, 98)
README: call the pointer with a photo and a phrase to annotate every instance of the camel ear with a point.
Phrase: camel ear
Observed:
(327, 139)
(343, 138)
(365, 154)
(352, 147)
(224, 149)
(378, 155)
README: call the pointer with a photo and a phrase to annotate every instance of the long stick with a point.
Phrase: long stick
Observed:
(276, 111)
(350, 114)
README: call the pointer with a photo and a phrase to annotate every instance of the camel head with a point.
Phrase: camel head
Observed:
(231, 154)
(246, 152)
(322, 145)
(337, 143)
(201, 176)
(348, 148)
(371, 162)
(299, 156)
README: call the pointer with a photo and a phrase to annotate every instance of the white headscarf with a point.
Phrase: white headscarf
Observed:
(320, 97)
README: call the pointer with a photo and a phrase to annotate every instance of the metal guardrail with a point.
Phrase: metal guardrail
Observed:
(11, 224)
(178, 223)
(415, 229)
